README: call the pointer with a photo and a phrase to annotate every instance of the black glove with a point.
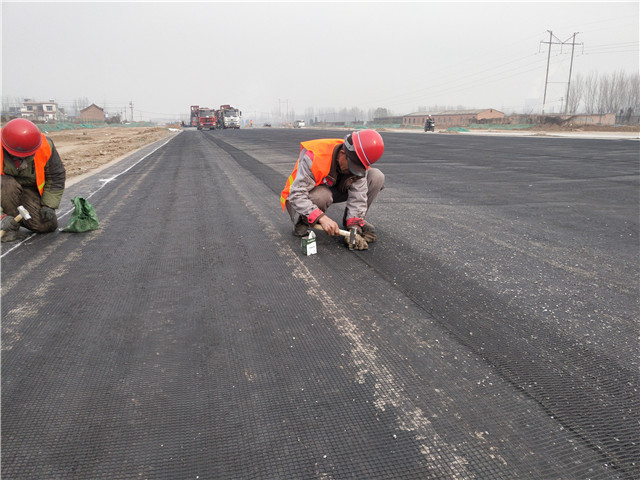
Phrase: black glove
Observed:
(48, 214)
(8, 223)
(369, 232)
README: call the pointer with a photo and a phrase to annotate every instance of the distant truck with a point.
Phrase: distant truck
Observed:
(195, 114)
(202, 117)
(207, 119)
(298, 124)
(228, 117)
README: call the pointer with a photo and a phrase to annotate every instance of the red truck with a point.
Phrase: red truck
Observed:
(202, 117)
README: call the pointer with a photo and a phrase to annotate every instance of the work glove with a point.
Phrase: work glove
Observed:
(8, 223)
(48, 214)
(361, 243)
(369, 232)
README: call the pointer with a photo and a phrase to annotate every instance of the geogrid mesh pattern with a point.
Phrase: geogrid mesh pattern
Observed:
(214, 350)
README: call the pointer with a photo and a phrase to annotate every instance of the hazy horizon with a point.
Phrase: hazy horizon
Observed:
(270, 57)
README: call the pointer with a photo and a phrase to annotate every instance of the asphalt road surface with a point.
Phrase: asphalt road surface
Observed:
(490, 333)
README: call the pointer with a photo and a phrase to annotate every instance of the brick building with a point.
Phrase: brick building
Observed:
(452, 118)
(92, 114)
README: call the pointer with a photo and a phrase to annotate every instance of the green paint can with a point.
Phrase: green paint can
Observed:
(309, 246)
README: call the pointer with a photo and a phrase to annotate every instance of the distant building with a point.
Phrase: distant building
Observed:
(40, 111)
(452, 118)
(387, 120)
(92, 114)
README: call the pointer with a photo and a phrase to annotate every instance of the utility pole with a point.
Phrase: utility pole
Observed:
(546, 80)
(573, 44)
(131, 105)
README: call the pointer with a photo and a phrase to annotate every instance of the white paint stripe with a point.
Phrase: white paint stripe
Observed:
(104, 182)
(388, 391)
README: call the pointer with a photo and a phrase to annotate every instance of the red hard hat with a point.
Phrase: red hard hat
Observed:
(21, 138)
(368, 147)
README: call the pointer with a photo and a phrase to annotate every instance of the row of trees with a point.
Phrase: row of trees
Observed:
(618, 93)
(593, 93)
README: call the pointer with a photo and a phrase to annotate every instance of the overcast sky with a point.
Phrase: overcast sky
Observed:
(265, 57)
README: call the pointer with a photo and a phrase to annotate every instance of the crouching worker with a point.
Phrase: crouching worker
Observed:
(334, 171)
(32, 176)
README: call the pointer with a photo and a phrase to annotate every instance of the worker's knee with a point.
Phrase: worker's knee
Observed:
(321, 196)
(31, 200)
(40, 226)
(11, 193)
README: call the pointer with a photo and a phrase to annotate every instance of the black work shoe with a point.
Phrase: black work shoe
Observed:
(301, 228)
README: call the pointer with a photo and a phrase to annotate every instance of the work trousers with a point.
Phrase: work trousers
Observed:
(324, 196)
(13, 195)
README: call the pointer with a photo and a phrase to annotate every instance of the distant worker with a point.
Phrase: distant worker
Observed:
(330, 171)
(32, 176)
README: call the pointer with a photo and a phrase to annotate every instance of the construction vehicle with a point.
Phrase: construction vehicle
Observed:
(195, 113)
(207, 119)
(202, 117)
(228, 117)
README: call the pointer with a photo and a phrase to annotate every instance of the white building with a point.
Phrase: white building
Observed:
(41, 111)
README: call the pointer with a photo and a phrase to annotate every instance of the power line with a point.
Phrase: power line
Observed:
(561, 43)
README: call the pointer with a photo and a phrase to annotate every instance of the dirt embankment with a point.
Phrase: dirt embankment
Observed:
(586, 128)
(87, 149)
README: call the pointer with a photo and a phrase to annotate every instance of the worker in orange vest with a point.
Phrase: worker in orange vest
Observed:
(32, 175)
(331, 171)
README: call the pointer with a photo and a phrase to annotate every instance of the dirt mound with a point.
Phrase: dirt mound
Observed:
(86, 149)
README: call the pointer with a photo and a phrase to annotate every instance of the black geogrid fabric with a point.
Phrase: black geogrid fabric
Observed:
(591, 394)
(197, 353)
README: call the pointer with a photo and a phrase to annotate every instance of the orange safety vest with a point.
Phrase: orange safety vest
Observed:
(321, 154)
(40, 159)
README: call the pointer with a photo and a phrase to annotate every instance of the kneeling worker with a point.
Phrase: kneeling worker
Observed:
(333, 171)
(32, 176)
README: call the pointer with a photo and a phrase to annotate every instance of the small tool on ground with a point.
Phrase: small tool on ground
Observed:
(22, 214)
(351, 234)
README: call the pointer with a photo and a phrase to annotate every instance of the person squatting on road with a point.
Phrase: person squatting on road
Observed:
(32, 175)
(330, 171)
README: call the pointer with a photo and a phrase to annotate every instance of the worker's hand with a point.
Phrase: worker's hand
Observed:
(329, 226)
(361, 243)
(369, 232)
(365, 229)
(47, 214)
(8, 223)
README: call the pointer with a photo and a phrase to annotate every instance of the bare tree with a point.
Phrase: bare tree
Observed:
(590, 83)
(381, 113)
(309, 114)
(634, 96)
(576, 91)
(80, 104)
(11, 104)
